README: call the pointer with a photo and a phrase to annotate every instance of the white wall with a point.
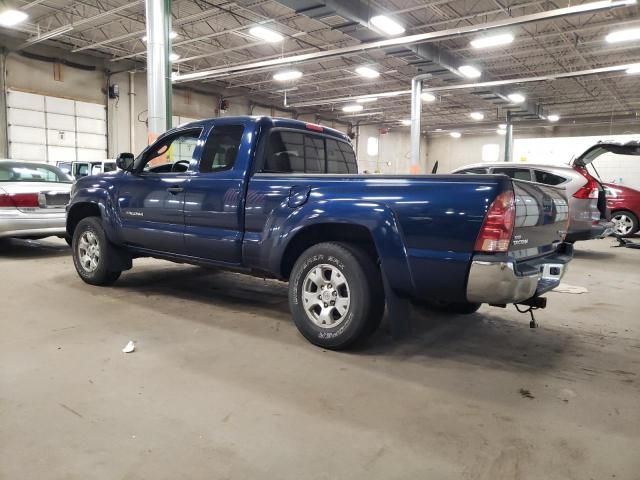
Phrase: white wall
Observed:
(394, 151)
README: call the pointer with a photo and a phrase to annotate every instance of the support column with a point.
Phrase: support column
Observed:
(508, 139)
(158, 17)
(4, 129)
(416, 112)
(132, 112)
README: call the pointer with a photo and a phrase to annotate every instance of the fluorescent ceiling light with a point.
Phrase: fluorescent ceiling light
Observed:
(501, 131)
(477, 115)
(352, 108)
(633, 69)
(438, 130)
(553, 118)
(367, 100)
(502, 126)
(455, 134)
(173, 56)
(172, 35)
(516, 97)
(469, 71)
(387, 25)
(623, 35)
(406, 122)
(266, 34)
(492, 41)
(287, 75)
(11, 17)
(427, 97)
(367, 72)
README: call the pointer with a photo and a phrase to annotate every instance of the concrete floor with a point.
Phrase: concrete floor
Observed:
(222, 386)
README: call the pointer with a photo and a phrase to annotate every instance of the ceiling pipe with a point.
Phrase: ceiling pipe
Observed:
(418, 38)
(464, 86)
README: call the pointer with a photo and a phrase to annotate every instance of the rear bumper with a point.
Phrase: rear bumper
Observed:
(502, 280)
(35, 225)
(599, 230)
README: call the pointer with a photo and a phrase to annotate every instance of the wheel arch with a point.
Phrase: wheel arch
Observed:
(81, 210)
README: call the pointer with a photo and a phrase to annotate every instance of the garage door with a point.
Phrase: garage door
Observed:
(50, 129)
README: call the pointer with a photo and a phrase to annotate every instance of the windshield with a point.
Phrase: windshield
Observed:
(31, 172)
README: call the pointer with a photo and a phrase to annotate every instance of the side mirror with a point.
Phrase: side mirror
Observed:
(125, 162)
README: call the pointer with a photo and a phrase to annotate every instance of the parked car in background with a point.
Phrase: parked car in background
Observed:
(78, 169)
(624, 204)
(587, 209)
(282, 198)
(33, 197)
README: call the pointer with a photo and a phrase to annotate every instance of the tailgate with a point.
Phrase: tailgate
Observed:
(542, 214)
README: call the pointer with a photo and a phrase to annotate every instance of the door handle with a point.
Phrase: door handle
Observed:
(175, 190)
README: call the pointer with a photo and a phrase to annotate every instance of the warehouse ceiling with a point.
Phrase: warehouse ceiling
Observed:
(215, 33)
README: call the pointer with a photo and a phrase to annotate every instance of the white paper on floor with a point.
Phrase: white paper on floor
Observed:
(563, 288)
(129, 347)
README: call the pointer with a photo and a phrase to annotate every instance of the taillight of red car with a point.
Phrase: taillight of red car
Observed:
(497, 228)
(19, 200)
(589, 189)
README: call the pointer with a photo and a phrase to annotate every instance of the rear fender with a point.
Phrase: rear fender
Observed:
(377, 218)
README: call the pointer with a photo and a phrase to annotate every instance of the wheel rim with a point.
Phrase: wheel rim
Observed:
(325, 296)
(622, 224)
(88, 251)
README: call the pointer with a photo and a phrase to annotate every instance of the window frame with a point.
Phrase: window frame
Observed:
(564, 179)
(259, 169)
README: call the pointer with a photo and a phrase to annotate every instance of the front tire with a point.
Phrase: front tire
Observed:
(336, 295)
(625, 223)
(92, 253)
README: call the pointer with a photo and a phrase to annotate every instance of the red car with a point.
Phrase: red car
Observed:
(624, 204)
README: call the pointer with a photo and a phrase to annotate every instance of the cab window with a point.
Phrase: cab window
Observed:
(221, 149)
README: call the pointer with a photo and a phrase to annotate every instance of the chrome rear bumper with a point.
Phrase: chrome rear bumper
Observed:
(503, 281)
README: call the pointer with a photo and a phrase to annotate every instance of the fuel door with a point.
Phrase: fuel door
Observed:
(298, 195)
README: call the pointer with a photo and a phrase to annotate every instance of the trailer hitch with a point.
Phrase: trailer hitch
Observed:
(532, 304)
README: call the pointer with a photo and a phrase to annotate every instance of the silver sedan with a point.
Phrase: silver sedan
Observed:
(33, 197)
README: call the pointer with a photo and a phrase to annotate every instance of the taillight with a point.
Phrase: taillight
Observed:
(497, 228)
(19, 200)
(589, 189)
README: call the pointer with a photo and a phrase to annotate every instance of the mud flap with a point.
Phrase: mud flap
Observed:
(398, 310)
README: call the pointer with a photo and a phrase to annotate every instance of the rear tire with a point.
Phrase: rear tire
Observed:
(625, 223)
(336, 295)
(92, 253)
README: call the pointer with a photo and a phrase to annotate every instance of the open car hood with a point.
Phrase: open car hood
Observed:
(593, 152)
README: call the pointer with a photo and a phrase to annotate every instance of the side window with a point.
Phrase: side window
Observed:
(514, 172)
(285, 153)
(171, 154)
(548, 178)
(473, 171)
(221, 149)
(80, 170)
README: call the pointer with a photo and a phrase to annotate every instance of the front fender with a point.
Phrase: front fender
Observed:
(97, 196)
(286, 223)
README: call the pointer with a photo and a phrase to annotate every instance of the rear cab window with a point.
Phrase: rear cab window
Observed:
(291, 151)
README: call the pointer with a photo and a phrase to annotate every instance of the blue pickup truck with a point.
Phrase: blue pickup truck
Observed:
(283, 199)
